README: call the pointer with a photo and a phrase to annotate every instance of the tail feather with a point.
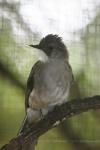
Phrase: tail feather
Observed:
(30, 143)
(23, 126)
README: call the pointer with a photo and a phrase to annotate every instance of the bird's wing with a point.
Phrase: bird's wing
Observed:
(30, 82)
(29, 88)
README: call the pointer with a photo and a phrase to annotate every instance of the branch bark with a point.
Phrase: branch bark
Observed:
(52, 119)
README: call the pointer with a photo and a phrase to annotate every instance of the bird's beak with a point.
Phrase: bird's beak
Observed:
(34, 46)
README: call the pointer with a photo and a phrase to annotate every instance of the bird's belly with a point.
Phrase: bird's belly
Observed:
(45, 98)
(35, 101)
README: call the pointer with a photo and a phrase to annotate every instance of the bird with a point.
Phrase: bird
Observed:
(49, 81)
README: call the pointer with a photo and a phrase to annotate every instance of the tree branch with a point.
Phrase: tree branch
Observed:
(53, 118)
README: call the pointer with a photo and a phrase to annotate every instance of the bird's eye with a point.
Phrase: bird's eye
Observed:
(50, 47)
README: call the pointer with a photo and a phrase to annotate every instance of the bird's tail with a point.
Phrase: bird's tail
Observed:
(23, 126)
(30, 143)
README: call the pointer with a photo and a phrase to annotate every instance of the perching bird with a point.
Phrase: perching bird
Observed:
(49, 81)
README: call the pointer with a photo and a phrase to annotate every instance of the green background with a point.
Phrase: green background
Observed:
(81, 132)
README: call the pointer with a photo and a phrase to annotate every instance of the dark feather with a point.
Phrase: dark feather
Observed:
(30, 83)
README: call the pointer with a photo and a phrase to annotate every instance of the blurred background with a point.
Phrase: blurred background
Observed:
(24, 22)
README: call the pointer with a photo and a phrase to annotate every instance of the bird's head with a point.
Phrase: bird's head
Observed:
(53, 46)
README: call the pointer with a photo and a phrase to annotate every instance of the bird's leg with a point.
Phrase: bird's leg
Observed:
(41, 112)
(45, 111)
